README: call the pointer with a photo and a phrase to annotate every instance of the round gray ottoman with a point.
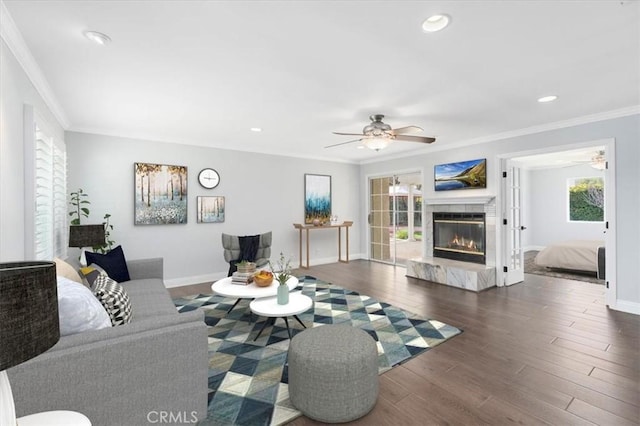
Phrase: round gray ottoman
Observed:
(333, 373)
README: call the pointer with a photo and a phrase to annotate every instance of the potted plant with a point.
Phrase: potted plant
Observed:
(282, 273)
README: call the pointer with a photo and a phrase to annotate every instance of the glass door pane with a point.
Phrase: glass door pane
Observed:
(395, 218)
(380, 219)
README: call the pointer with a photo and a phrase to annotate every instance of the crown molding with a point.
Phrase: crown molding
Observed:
(607, 115)
(14, 40)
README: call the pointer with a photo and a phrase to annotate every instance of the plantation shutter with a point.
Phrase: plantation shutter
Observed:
(50, 217)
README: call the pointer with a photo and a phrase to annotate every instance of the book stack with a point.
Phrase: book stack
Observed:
(242, 278)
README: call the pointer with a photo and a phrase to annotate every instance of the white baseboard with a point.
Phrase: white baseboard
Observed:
(327, 260)
(215, 276)
(529, 248)
(627, 306)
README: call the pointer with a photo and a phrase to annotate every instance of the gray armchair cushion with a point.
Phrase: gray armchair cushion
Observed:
(231, 245)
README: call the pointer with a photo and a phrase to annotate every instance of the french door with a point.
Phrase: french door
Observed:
(513, 254)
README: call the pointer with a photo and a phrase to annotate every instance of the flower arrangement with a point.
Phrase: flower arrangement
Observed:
(283, 271)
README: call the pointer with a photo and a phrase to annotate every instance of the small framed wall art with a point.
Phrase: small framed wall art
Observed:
(210, 209)
(160, 194)
(317, 198)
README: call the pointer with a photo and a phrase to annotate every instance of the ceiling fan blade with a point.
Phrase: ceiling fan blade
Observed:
(407, 129)
(343, 143)
(422, 139)
(348, 134)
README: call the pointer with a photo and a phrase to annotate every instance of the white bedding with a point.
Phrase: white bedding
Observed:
(579, 255)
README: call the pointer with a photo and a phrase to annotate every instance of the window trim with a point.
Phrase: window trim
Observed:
(35, 124)
(571, 181)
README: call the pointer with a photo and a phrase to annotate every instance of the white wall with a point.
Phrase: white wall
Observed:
(16, 90)
(548, 221)
(262, 193)
(625, 130)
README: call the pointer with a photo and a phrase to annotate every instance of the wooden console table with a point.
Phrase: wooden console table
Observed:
(306, 228)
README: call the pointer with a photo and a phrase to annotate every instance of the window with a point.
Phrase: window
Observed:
(46, 224)
(586, 199)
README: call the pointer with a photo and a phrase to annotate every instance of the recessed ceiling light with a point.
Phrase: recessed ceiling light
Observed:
(97, 37)
(549, 98)
(435, 23)
(256, 129)
(360, 146)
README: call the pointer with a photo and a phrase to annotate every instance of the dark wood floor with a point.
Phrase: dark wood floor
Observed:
(546, 351)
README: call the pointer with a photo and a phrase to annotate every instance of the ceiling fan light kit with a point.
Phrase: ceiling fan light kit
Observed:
(598, 161)
(378, 135)
(376, 144)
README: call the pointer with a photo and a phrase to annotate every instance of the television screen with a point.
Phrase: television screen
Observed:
(463, 175)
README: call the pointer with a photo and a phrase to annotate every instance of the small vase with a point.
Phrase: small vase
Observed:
(283, 294)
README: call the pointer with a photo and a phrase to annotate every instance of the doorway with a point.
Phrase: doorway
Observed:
(543, 204)
(395, 218)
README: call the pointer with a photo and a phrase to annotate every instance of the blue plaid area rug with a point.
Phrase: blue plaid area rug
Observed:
(248, 379)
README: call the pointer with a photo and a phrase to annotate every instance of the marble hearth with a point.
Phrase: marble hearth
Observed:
(466, 275)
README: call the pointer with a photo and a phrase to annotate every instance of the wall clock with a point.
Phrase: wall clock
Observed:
(208, 178)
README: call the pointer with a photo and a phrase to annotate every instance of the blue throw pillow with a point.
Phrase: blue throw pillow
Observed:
(113, 263)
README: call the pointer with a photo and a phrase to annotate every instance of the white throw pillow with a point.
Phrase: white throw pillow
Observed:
(78, 308)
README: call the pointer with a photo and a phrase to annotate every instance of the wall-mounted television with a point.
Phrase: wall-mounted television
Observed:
(469, 174)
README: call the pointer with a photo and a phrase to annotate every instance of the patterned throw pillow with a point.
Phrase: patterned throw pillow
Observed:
(90, 273)
(114, 299)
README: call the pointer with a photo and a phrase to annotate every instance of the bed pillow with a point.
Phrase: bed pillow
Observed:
(113, 263)
(114, 298)
(78, 308)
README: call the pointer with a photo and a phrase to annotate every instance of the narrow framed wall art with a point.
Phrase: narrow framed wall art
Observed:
(317, 198)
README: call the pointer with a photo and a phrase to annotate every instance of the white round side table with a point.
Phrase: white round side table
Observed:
(268, 307)
(55, 418)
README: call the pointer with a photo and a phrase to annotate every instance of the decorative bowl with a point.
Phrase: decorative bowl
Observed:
(263, 278)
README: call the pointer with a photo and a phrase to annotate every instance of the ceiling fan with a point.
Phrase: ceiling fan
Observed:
(379, 135)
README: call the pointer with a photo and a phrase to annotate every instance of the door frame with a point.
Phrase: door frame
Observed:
(610, 209)
(367, 210)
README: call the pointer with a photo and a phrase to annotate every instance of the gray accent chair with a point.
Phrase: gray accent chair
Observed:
(231, 245)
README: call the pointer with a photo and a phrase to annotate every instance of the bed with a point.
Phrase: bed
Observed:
(575, 255)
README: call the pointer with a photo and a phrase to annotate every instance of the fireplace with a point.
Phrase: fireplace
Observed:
(459, 236)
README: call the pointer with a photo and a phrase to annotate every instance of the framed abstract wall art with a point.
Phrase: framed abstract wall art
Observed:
(160, 194)
(317, 198)
(469, 174)
(210, 209)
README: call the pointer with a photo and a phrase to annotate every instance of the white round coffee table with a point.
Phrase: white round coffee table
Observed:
(55, 418)
(268, 307)
(226, 288)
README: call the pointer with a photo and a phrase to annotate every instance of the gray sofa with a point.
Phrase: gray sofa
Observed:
(126, 375)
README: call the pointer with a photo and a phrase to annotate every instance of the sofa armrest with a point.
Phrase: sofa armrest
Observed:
(146, 268)
(121, 380)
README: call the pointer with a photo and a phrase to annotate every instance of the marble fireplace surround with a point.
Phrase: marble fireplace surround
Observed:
(469, 276)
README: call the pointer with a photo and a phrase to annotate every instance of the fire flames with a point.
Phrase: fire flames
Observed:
(460, 242)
